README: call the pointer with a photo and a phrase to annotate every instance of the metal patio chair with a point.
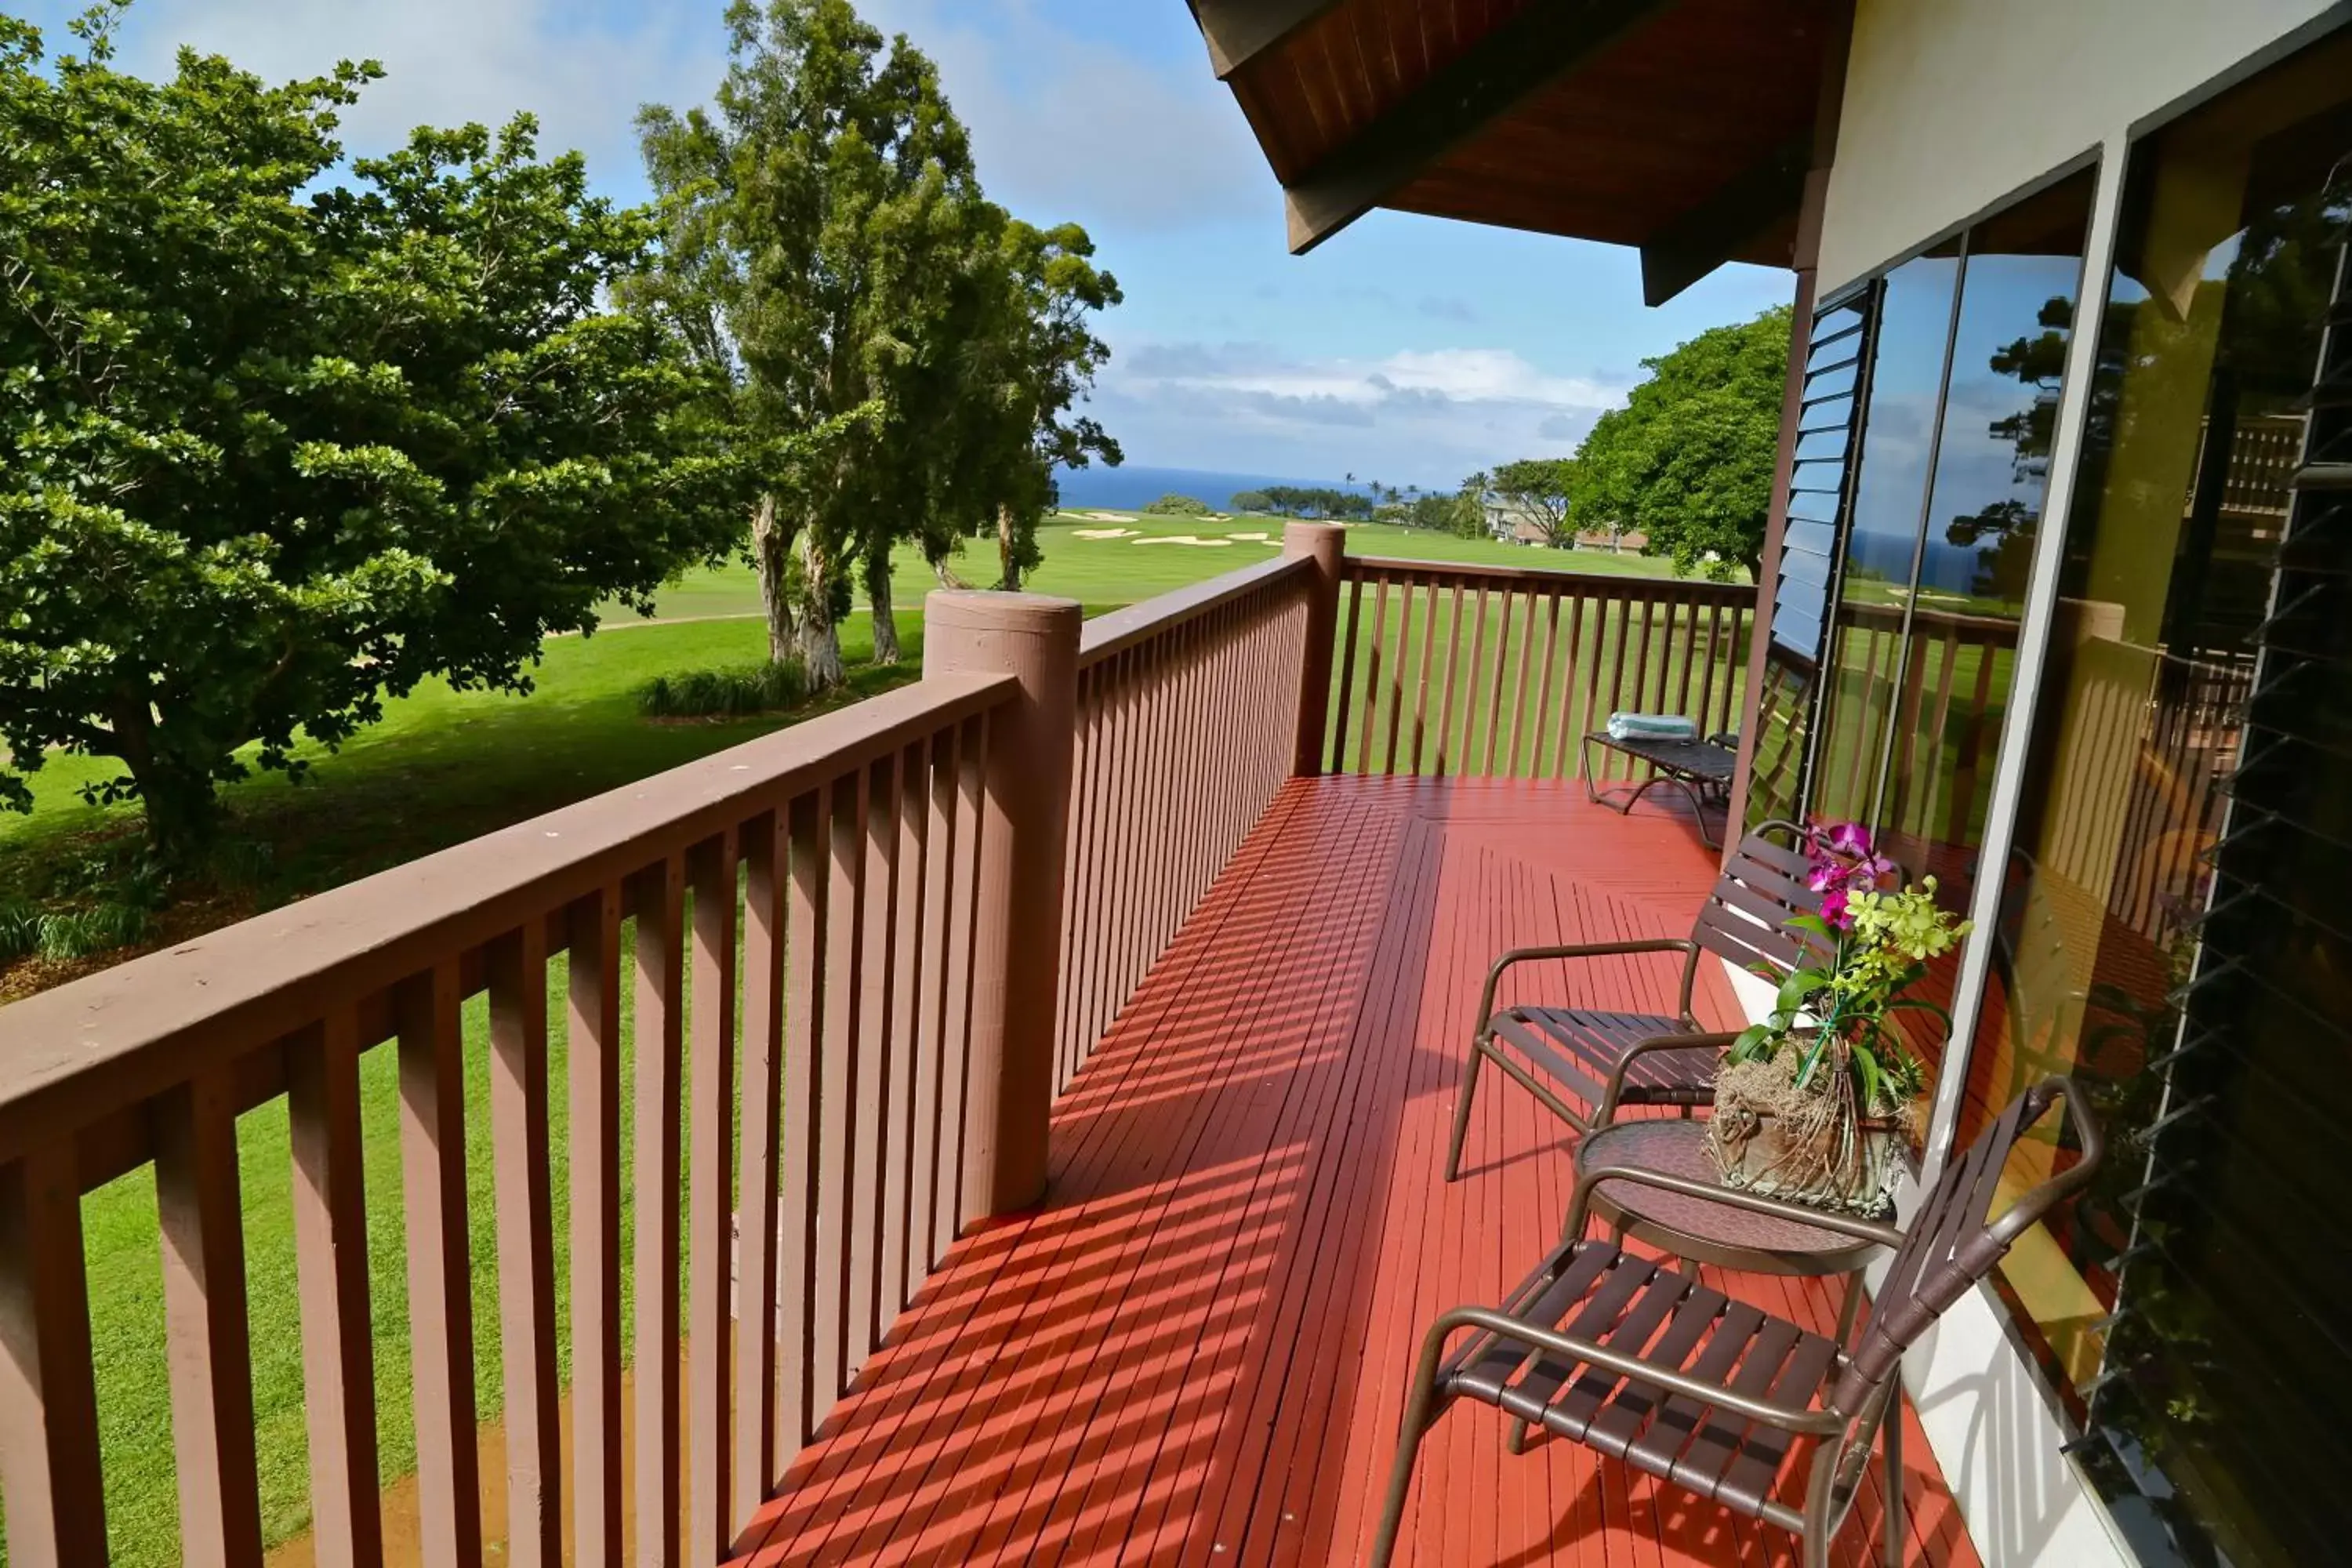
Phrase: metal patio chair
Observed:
(1606, 1058)
(1632, 1357)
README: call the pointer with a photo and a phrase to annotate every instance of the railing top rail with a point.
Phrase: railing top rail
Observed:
(1993, 629)
(1123, 628)
(1592, 584)
(73, 1056)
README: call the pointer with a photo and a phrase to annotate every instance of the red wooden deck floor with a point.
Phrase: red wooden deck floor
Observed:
(1196, 1352)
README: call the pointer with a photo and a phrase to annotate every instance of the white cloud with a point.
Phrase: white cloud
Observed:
(1245, 406)
(452, 61)
(1071, 128)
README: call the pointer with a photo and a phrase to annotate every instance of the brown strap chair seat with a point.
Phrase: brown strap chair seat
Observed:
(1636, 1358)
(1567, 1056)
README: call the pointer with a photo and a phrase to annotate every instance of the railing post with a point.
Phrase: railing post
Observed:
(1324, 543)
(1017, 903)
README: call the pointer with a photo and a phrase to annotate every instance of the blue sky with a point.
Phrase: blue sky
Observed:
(1407, 349)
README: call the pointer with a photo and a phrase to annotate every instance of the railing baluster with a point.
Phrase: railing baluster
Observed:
(1706, 719)
(1565, 737)
(711, 871)
(959, 1197)
(660, 1042)
(1336, 750)
(807, 931)
(1594, 715)
(1428, 660)
(899, 1174)
(756, 1463)
(517, 969)
(1397, 681)
(1534, 717)
(50, 1475)
(322, 1078)
(1526, 641)
(440, 1266)
(1372, 673)
(1685, 616)
(868, 1154)
(196, 1193)
(837, 1088)
(1470, 693)
(924, 1221)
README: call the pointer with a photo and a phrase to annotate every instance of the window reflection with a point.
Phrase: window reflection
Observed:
(2220, 1382)
(1954, 460)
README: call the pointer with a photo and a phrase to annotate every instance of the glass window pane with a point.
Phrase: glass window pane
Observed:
(1898, 436)
(2222, 1422)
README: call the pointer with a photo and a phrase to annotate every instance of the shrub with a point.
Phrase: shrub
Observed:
(20, 931)
(1173, 505)
(724, 693)
(99, 929)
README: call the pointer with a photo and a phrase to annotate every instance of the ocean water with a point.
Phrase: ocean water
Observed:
(1131, 488)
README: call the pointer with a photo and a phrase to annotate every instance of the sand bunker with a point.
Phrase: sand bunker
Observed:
(1106, 516)
(1100, 532)
(1186, 538)
(1252, 538)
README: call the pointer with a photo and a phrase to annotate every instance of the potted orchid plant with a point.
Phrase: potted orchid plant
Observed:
(1817, 1103)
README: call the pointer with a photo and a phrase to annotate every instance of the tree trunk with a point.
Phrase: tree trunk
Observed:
(878, 603)
(820, 639)
(175, 799)
(1008, 554)
(771, 544)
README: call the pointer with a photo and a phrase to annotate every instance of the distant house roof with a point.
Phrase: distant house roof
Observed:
(1683, 128)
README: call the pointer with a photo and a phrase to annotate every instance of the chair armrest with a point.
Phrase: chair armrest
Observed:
(1681, 945)
(1615, 1089)
(1884, 1235)
(1802, 1420)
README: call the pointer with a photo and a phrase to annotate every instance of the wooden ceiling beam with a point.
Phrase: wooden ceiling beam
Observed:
(1240, 31)
(1494, 76)
(1726, 222)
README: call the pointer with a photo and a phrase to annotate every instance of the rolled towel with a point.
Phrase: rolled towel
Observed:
(1652, 727)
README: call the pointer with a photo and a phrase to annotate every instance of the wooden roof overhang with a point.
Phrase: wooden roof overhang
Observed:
(1682, 127)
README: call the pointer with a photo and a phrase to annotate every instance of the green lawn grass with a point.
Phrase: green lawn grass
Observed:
(1118, 570)
(443, 767)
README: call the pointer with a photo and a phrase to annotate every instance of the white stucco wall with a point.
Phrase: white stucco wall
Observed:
(1952, 104)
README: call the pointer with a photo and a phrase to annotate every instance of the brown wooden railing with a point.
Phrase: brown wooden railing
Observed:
(812, 996)
(1464, 670)
(846, 856)
(1187, 723)
(845, 1036)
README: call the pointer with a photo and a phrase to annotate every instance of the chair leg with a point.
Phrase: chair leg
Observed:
(1891, 1438)
(1417, 1416)
(1462, 1109)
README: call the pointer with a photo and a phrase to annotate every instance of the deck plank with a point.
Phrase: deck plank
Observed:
(1196, 1352)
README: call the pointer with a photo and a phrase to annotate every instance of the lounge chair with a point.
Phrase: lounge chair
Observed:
(1606, 1058)
(1637, 1358)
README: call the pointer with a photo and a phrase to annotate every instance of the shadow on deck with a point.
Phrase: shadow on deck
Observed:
(1197, 1349)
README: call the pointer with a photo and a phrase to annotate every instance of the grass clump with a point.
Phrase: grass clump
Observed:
(85, 933)
(732, 693)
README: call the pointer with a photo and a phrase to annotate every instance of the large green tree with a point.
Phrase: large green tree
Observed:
(1536, 490)
(1688, 460)
(823, 219)
(275, 442)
